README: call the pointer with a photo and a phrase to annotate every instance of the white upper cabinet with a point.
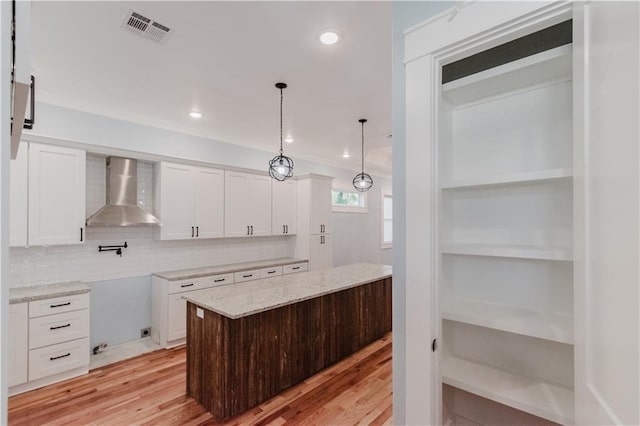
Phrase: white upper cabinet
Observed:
(209, 202)
(320, 206)
(21, 87)
(247, 204)
(18, 201)
(284, 207)
(189, 201)
(56, 195)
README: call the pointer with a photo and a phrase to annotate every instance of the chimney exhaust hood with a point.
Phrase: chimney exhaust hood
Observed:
(122, 197)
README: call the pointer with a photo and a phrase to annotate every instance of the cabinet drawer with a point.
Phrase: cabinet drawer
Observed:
(52, 329)
(271, 272)
(58, 305)
(246, 276)
(185, 285)
(296, 267)
(58, 358)
(216, 280)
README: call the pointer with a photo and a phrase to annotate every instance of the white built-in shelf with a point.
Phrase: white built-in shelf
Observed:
(517, 251)
(550, 65)
(546, 400)
(510, 179)
(543, 325)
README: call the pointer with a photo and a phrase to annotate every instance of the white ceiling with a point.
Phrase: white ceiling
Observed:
(223, 58)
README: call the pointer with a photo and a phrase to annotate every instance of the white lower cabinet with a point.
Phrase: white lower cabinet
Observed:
(59, 358)
(295, 267)
(271, 272)
(243, 276)
(176, 317)
(49, 341)
(52, 329)
(18, 343)
(169, 309)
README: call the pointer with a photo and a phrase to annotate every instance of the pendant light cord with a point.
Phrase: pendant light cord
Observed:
(281, 121)
(362, 146)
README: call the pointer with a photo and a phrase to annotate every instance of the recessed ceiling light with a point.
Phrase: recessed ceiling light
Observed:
(195, 114)
(345, 155)
(330, 36)
(288, 140)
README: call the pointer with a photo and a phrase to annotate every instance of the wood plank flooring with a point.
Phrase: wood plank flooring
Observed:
(151, 390)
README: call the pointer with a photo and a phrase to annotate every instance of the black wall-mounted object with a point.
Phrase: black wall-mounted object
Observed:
(29, 122)
(117, 249)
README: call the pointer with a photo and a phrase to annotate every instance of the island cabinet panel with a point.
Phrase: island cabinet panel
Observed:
(235, 364)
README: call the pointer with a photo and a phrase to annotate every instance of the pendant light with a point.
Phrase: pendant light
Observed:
(281, 167)
(363, 181)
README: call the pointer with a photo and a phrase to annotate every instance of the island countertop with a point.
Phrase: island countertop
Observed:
(244, 299)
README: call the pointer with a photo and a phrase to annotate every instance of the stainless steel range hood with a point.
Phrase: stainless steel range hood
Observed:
(122, 197)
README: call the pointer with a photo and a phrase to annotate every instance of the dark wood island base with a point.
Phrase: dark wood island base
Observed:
(235, 364)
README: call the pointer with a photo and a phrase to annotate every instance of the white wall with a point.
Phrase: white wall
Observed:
(357, 236)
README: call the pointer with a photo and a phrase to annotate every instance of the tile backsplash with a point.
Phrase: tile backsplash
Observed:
(144, 255)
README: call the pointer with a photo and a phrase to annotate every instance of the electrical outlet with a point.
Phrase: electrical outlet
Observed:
(145, 332)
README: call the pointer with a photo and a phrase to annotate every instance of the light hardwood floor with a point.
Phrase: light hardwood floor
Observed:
(150, 390)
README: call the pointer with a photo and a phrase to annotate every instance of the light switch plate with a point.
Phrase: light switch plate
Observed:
(200, 312)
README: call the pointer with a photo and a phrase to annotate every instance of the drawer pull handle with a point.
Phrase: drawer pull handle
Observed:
(186, 285)
(59, 305)
(60, 326)
(271, 272)
(295, 267)
(220, 280)
(247, 276)
(53, 358)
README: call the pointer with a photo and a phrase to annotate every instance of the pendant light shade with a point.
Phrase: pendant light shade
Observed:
(362, 182)
(281, 166)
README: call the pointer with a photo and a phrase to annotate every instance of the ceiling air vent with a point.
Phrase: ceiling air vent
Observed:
(145, 27)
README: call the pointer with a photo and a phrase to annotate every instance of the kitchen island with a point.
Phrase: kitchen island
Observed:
(248, 342)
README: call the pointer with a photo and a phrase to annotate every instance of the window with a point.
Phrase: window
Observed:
(344, 198)
(387, 220)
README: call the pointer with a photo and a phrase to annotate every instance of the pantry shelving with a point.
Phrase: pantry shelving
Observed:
(506, 233)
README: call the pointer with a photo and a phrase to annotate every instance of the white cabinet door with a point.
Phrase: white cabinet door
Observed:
(56, 195)
(607, 186)
(236, 204)
(260, 211)
(177, 318)
(247, 207)
(321, 207)
(209, 202)
(320, 252)
(18, 203)
(284, 207)
(176, 210)
(190, 202)
(18, 343)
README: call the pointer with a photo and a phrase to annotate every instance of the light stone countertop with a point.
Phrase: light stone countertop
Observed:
(247, 298)
(46, 291)
(186, 274)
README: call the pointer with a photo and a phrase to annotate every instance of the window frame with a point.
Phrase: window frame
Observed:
(340, 186)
